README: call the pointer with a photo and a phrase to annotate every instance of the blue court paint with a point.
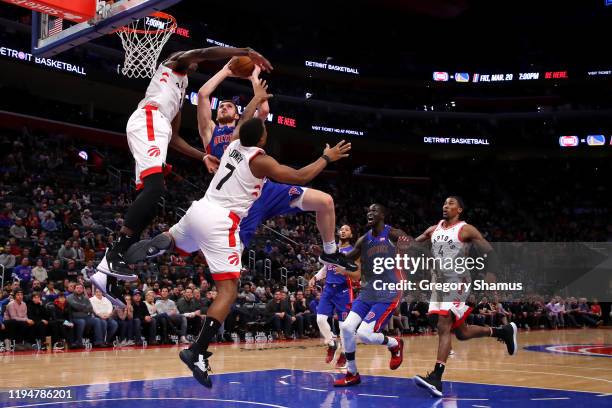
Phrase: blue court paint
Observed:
(584, 350)
(296, 388)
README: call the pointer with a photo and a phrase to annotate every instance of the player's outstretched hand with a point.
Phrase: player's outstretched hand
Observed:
(255, 74)
(339, 151)
(312, 282)
(211, 163)
(226, 69)
(260, 60)
(260, 87)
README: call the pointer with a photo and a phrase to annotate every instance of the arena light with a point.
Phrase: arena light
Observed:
(327, 129)
(596, 140)
(568, 141)
(47, 62)
(218, 43)
(456, 140)
(83, 155)
(331, 67)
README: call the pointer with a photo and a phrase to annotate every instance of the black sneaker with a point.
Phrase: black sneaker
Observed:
(198, 364)
(338, 259)
(432, 383)
(507, 334)
(146, 249)
(113, 264)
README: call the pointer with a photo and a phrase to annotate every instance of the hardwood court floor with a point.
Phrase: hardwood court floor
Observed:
(483, 361)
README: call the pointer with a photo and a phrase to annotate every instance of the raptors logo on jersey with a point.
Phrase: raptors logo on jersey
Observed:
(149, 129)
(166, 91)
(446, 245)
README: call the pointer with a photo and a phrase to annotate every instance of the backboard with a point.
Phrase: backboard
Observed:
(57, 29)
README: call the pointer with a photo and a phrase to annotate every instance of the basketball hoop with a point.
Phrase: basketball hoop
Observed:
(143, 41)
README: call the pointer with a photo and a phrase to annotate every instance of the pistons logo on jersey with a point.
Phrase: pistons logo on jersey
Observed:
(154, 151)
(294, 191)
(234, 258)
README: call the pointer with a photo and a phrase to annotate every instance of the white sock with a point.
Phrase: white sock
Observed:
(330, 247)
(392, 342)
(351, 366)
(325, 329)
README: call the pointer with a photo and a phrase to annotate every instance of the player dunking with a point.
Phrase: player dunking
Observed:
(451, 239)
(212, 224)
(150, 130)
(276, 199)
(337, 297)
(375, 305)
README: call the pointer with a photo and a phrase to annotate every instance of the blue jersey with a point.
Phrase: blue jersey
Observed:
(335, 278)
(221, 138)
(375, 250)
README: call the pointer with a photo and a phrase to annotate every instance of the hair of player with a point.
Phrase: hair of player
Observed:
(382, 209)
(459, 201)
(230, 101)
(251, 132)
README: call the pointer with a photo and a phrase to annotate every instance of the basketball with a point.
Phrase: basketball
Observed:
(242, 66)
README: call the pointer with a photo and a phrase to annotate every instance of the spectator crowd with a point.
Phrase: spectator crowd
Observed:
(58, 215)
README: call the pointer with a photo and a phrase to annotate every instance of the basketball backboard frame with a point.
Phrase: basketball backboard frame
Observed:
(117, 15)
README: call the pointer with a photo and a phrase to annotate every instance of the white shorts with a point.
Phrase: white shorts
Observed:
(148, 135)
(455, 308)
(216, 232)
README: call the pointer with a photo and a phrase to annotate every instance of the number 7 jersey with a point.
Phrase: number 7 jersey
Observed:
(234, 187)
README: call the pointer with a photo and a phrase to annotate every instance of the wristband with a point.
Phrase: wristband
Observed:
(326, 158)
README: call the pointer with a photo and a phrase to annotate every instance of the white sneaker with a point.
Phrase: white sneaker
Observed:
(129, 343)
(184, 340)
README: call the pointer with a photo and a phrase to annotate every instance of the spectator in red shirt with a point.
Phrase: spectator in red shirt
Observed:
(596, 311)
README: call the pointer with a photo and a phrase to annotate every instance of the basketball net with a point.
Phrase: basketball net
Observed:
(143, 41)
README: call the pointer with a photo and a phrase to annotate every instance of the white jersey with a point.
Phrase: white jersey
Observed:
(447, 248)
(166, 91)
(234, 187)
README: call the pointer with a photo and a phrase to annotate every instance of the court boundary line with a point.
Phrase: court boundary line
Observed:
(327, 372)
(147, 399)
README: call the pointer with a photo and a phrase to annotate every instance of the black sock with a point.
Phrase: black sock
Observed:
(350, 356)
(496, 332)
(210, 327)
(438, 370)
